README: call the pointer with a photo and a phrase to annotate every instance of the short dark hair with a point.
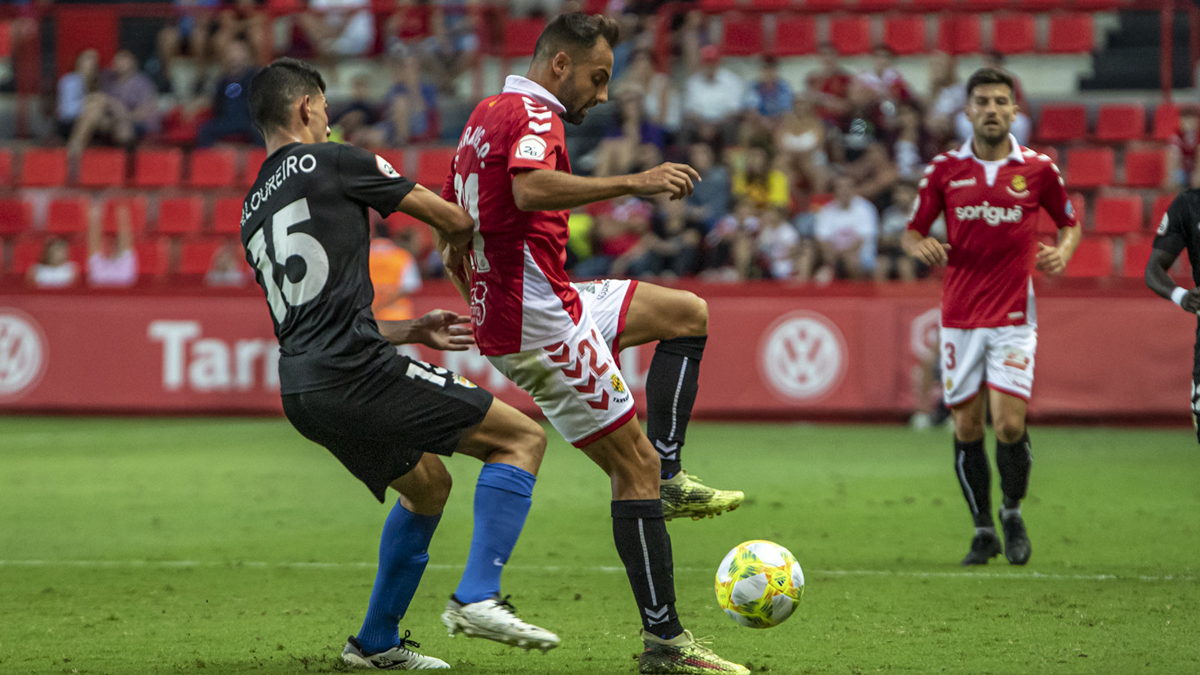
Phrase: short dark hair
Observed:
(275, 87)
(990, 76)
(575, 31)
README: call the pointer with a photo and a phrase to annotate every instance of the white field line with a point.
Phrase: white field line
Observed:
(176, 564)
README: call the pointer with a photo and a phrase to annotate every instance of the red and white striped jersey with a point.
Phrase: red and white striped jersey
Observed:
(991, 222)
(521, 297)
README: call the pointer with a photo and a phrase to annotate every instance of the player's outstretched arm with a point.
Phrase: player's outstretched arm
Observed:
(545, 190)
(453, 223)
(926, 249)
(439, 329)
(1158, 278)
(455, 264)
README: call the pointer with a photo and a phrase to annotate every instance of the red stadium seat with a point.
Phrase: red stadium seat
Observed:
(433, 165)
(152, 257)
(1014, 33)
(1118, 213)
(811, 7)
(251, 164)
(1159, 208)
(877, 6)
(16, 217)
(195, 257)
(1062, 122)
(771, 5)
(982, 5)
(137, 213)
(520, 37)
(158, 168)
(44, 167)
(850, 35)
(795, 35)
(715, 6)
(904, 34)
(212, 168)
(1166, 121)
(285, 6)
(227, 216)
(1124, 122)
(6, 167)
(1090, 168)
(742, 36)
(959, 34)
(932, 6)
(5, 39)
(1145, 168)
(1096, 5)
(1137, 254)
(1046, 224)
(102, 168)
(1070, 34)
(1093, 258)
(180, 215)
(67, 215)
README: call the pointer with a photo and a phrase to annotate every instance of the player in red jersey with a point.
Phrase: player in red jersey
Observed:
(991, 191)
(557, 340)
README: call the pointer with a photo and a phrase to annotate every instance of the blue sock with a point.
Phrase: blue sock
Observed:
(502, 499)
(403, 553)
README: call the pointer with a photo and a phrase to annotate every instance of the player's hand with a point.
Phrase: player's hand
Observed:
(1050, 260)
(444, 330)
(677, 180)
(932, 252)
(1191, 301)
(454, 260)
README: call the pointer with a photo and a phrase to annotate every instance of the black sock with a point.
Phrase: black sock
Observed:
(975, 477)
(671, 386)
(1013, 460)
(645, 548)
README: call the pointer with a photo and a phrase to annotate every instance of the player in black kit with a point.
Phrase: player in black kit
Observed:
(1176, 232)
(384, 416)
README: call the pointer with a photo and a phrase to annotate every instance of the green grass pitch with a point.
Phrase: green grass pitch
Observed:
(235, 546)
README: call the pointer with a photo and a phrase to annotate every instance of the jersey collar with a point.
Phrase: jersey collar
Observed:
(515, 84)
(967, 152)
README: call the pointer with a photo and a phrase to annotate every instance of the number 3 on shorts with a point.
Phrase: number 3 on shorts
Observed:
(949, 351)
(288, 244)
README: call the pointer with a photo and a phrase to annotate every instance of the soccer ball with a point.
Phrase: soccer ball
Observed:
(759, 584)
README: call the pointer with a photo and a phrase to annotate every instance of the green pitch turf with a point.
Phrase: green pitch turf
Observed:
(234, 546)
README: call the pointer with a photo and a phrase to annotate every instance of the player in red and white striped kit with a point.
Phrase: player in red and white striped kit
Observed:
(559, 341)
(991, 191)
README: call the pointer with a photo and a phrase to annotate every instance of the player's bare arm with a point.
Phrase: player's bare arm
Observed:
(454, 261)
(926, 249)
(1052, 260)
(440, 329)
(544, 190)
(1159, 280)
(451, 222)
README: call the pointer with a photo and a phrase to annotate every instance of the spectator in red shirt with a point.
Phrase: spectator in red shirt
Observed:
(616, 235)
(1182, 152)
(829, 86)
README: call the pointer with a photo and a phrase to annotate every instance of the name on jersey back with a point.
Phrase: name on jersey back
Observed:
(290, 167)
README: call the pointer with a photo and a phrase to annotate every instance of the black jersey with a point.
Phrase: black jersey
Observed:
(1180, 229)
(306, 233)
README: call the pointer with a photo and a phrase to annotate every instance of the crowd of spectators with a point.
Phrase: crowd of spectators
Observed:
(802, 180)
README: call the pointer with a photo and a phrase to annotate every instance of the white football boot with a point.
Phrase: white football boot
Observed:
(396, 658)
(495, 619)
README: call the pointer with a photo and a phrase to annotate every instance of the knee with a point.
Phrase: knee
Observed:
(968, 428)
(531, 442)
(1009, 428)
(694, 319)
(435, 491)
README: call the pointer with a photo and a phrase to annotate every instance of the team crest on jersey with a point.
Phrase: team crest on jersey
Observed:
(1162, 225)
(385, 167)
(1017, 187)
(617, 385)
(531, 147)
(462, 381)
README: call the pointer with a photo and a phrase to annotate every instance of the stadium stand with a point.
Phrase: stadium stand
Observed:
(1093, 258)
(227, 216)
(138, 206)
(959, 34)
(1070, 33)
(43, 167)
(1121, 123)
(850, 34)
(1118, 213)
(1145, 167)
(1059, 122)
(102, 168)
(16, 217)
(1014, 33)
(1090, 167)
(180, 215)
(158, 167)
(742, 36)
(904, 34)
(795, 35)
(212, 167)
(67, 215)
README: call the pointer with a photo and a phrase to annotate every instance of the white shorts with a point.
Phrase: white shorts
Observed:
(577, 382)
(1005, 355)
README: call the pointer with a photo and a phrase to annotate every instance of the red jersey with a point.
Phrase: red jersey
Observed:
(991, 221)
(521, 297)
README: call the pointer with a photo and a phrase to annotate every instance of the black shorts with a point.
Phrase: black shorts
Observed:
(379, 426)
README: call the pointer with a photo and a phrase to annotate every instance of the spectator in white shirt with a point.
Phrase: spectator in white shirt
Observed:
(713, 97)
(54, 269)
(846, 232)
(778, 244)
(111, 262)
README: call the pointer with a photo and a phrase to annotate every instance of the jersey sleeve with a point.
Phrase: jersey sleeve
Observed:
(929, 204)
(537, 143)
(1055, 200)
(370, 180)
(1171, 236)
(448, 184)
